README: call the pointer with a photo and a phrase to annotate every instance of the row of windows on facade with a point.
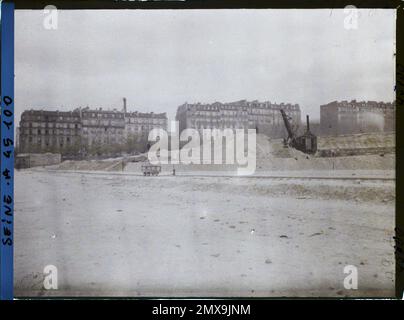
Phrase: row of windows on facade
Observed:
(121, 125)
(77, 125)
(245, 120)
(49, 131)
(67, 125)
(118, 131)
(120, 115)
(102, 115)
(214, 120)
(241, 113)
(358, 106)
(203, 124)
(231, 126)
(131, 117)
(39, 140)
(242, 105)
(146, 120)
(142, 128)
(65, 141)
(50, 125)
(29, 117)
(100, 140)
(253, 119)
(102, 123)
(105, 130)
(365, 105)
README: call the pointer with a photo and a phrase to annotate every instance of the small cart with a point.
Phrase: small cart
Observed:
(151, 170)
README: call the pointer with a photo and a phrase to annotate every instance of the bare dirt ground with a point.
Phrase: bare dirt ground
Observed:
(128, 235)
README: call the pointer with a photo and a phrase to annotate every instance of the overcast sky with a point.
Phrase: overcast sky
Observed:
(159, 59)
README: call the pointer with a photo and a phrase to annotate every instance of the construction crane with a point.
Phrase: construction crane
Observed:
(306, 143)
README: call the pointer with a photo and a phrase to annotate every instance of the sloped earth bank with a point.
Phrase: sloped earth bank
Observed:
(128, 235)
(271, 155)
(295, 163)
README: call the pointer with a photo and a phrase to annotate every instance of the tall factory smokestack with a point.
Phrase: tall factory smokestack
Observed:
(124, 105)
(308, 123)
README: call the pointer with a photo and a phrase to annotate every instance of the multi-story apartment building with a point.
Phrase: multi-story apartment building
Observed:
(42, 131)
(82, 129)
(139, 124)
(102, 127)
(357, 117)
(265, 117)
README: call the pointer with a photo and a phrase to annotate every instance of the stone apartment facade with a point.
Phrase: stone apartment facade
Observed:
(82, 128)
(48, 130)
(139, 124)
(265, 117)
(355, 117)
(102, 127)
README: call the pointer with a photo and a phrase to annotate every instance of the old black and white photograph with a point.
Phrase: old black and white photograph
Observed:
(205, 153)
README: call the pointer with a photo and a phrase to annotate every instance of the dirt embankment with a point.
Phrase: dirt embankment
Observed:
(272, 155)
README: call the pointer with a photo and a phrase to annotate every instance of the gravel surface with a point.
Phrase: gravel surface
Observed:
(128, 235)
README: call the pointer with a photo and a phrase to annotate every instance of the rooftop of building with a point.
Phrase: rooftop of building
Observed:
(76, 112)
(50, 112)
(360, 103)
(138, 114)
(98, 110)
(216, 106)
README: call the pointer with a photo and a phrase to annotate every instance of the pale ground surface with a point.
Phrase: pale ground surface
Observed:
(205, 232)
(129, 235)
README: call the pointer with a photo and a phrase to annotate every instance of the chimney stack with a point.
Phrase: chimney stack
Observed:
(124, 105)
(308, 123)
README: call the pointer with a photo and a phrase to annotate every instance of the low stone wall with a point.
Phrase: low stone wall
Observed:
(29, 160)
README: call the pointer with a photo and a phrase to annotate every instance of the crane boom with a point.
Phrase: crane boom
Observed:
(306, 143)
(291, 135)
